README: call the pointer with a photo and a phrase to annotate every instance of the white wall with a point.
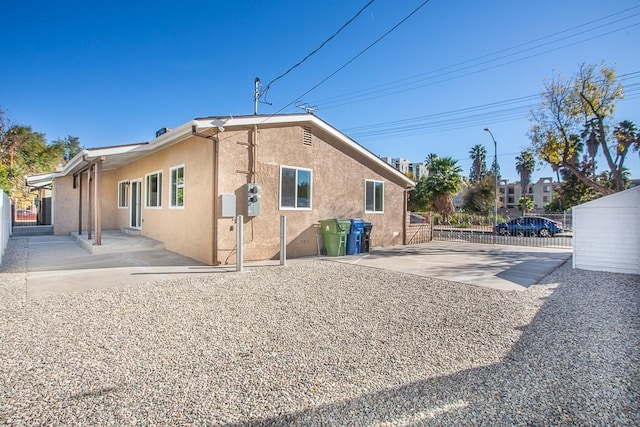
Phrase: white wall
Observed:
(5, 222)
(606, 233)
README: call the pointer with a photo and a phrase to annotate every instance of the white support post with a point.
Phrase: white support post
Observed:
(239, 243)
(283, 240)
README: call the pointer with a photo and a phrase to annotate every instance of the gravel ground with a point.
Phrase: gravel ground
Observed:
(321, 343)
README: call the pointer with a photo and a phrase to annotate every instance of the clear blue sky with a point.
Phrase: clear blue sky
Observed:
(114, 72)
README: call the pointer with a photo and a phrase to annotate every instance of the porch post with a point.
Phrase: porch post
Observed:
(80, 204)
(98, 201)
(89, 203)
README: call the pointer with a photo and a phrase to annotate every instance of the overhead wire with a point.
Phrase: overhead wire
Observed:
(424, 3)
(497, 52)
(397, 86)
(346, 24)
(496, 112)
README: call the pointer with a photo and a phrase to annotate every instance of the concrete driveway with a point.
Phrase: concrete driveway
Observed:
(59, 264)
(494, 266)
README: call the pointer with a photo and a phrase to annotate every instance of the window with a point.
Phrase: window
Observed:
(123, 194)
(154, 190)
(547, 189)
(374, 196)
(295, 188)
(176, 186)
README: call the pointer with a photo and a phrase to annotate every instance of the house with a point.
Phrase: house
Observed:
(186, 187)
(606, 233)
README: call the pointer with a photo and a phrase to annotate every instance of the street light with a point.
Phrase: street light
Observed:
(495, 177)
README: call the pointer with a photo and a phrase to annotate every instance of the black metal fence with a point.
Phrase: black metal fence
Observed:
(547, 230)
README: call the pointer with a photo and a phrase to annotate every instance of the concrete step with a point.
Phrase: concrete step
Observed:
(32, 230)
(117, 241)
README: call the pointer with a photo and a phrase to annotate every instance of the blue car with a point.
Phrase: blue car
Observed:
(530, 226)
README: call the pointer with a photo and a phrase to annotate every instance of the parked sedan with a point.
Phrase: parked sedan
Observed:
(530, 226)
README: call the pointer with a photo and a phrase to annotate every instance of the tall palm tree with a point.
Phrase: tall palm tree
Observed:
(428, 161)
(479, 166)
(443, 182)
(525, 164)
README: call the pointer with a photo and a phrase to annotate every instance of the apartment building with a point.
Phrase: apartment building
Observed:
(541, 192)
(417, 170)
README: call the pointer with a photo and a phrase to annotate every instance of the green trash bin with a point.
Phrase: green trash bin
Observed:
(334, 233)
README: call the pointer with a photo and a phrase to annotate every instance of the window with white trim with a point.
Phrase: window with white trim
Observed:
(295, 188)
(176, 186)
(123, 194)
(374, 196)
(153, 183)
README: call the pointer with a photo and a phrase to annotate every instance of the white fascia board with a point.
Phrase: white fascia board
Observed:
(302, 118)
(174, 135)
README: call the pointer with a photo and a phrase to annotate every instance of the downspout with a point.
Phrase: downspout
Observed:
(214, 201)
(404, 216)
(214, 189)
(254, 149)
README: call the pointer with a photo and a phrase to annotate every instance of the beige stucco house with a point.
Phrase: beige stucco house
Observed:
(179, 188)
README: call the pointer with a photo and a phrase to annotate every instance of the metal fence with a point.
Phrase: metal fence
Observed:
(547, 230)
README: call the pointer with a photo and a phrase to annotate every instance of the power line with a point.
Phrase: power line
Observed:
(496, 112)
(358, 55)
(318, 48)
(370, 93)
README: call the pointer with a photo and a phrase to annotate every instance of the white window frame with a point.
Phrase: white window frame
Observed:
(147, 194)
(124, 184)
(173, 187)
(295, 197)
(374, 182)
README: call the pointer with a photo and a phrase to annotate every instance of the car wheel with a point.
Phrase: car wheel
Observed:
(544, 232)
(503, 232)
(519, 233)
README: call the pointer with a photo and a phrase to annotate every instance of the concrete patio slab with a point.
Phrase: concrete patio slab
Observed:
(494, 266)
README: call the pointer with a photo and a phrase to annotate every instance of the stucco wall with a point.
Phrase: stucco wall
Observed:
(185, 230)
(65, 201)
(338, 191)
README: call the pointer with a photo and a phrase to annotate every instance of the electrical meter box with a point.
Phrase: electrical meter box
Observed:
(254, 194)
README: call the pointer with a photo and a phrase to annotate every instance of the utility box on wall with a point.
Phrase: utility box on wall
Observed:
(254, 193)
(228, 205)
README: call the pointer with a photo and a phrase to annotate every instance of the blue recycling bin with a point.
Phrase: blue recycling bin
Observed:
(354, 238)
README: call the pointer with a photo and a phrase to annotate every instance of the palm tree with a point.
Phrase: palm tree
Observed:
(525, 163)
(479, 166)
(443, 182)
(428, 161)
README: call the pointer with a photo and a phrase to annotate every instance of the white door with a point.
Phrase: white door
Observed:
(135, 211)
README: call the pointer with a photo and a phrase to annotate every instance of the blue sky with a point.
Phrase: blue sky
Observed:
(113, 73)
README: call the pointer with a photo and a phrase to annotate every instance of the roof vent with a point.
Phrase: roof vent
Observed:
(306, 135)
(162, 131)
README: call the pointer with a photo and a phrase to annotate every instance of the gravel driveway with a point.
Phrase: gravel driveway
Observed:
(321, 343)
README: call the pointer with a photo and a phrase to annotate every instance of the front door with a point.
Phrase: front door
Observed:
(135, 212)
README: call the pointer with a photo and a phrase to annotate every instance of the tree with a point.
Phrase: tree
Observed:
(576, 114)
(68, 147)
(23, 152)
(480, 197)
(443, 182)
(495, 168)
(573, 192)
(525, 203)
(525, 164)
(419, 197)
(479, 166)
